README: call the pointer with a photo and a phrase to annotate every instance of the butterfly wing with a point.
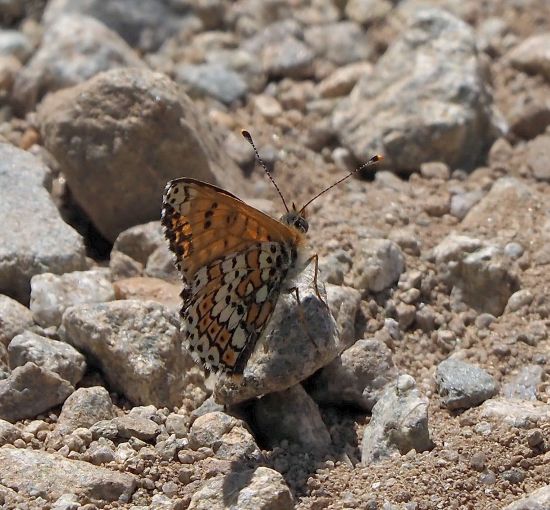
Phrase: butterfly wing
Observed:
(234, 259)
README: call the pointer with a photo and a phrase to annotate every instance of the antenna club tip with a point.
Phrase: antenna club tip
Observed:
(246, 134)
(377, 157)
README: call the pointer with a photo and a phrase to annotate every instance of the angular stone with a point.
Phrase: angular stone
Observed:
(59, 357)
(33, 237)
(533, 55)
(8, 433)
(30, 390)
(140, 241)
(102, 147)
(137, 345)
(14, 317)
(37, 473)
(52, 294)
(462, 385)
(516, 413)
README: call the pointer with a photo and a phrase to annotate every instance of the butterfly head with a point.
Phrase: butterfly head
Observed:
(296, 219)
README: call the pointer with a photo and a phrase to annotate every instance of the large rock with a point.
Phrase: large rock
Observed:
(131, 130)
(14, 318)
(88, 47)
(59, 357)
(52, 294)
(145, 24)
(137, 345)
(425, 101)
(538, 499)
(533, 55)
(30, 390)
(298, 340)
(33, 473)
(33, 237)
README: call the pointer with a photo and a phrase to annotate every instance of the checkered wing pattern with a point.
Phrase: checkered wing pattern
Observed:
(233, 259)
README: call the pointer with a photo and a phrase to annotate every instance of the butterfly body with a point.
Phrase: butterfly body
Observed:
(235, 262)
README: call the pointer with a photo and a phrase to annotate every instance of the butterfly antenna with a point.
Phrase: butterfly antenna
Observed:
(248, 138)
(371, 161)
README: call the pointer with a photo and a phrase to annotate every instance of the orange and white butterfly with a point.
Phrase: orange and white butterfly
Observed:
(235, 261)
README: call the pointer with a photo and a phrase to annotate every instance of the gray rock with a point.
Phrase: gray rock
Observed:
(137, 345)
(34, 473)
(343, 42)
(102, 147)
(536, 500)
(228, 437)
(160, 264)
(214, 80)
(461, 203)
(298, 340)
(15, 43)
(24, 248)
(532, 55)
(100, 451)
(455, 247)
(84, 408)
(30, 390)
(537, 155)
(367, 12)
(335, 266)
(519, 299)
(288, 58)
(8, 433)
(66, 502)
(378, 265)
(427, 86)
(292, 415)
(52, 294)
(524, 385)
(140, 241)
(53, 355)
(435, 170)
(344, 302)
(88, 47)
(516, 413)
(122, 266)
(358, 377)
(399, 423)
(134, 426)
(462, 385)
(177, 424)
(255, 489)
(145, 24)
(14, 317)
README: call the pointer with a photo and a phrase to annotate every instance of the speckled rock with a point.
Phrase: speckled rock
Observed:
(138, 347)
(8, 433)
(515, 413)
(532, 55)
(24, 249)
(14, 317)
(59, 357)
(52, 294)
(140, 241)
(462, 385)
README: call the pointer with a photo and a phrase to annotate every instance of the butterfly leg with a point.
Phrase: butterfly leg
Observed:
(315, 259)
(302, 315)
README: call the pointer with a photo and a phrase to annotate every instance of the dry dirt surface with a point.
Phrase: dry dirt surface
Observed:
(424, 385)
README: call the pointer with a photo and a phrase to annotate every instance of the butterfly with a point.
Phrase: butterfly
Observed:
(235, 261)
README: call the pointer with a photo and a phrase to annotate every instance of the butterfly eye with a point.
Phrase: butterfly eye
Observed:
(301, 224)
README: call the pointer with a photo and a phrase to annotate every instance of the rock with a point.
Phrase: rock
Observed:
(30, 390)
(269, 108)
(160, 264)
(14, 317)
(58, 357)
(519, 299)
(484, 280)
(135, 426)
(177, 424)
(9, 68)
(140, 241)
(88, 47)
(524, 385)
(335, 266)
(462, 385)
(358, 377)
(298, 340)
(149, 289)
(137, 345)
(8, 433)
(537, 156)
(435, 170)
(378, 264)
(52, 294)
(538, 499)
(516, 413)
(342, 43)
(145, 24)
(461, 203)
(399, 423)
(122, 266)
(214, 80)
(24, 249)
(427, 86)
(16, 44)
(255, 489)
(288, 58)
(455, 247)
(532, 55)
(342, 80)
(84, 408)
(367, 12)
(344, 302)
(33, 473)
(102, 147)
(228, 437)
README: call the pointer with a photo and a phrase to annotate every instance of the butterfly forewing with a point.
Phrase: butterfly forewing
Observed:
(234, 260)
